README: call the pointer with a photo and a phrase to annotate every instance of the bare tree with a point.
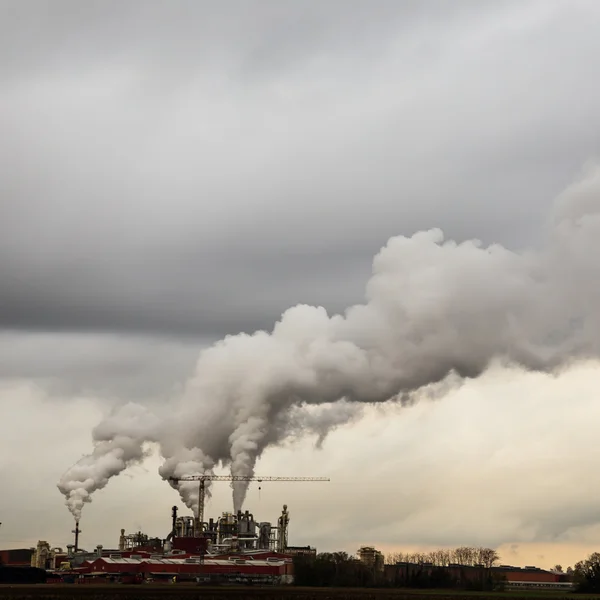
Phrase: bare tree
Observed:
(341, 557)
(394, 557)
(487, 557)
(464, 555)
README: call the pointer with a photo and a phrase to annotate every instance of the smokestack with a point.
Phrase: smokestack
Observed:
(76, 531)
(174, 517)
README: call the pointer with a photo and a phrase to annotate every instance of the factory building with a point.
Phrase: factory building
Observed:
(41, 557)
(532, 578)
(235, 546)
(231, 533)
(409, 574)
(273, 570)
(19, 557)
(139, 540)
(45, 557)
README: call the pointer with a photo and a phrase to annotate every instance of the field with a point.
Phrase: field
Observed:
(192, 592)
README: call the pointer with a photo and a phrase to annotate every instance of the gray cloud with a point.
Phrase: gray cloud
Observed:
(172, 172)
(105, 365)
(193, 170)
(434, 308)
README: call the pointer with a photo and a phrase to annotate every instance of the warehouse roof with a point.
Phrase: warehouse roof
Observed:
(176, 561)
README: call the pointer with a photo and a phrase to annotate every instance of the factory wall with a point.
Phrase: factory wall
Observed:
(16, 558)
(411, 573)
(190, 545)
(110, 566)
(537, 575)
(181, 554)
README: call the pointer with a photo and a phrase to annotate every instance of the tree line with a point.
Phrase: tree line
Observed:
(465, 556)
(428, 570)
(334, 569)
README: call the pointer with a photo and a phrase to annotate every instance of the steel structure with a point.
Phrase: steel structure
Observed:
(202, 479)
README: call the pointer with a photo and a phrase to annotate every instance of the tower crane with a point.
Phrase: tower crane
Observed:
(202, 479)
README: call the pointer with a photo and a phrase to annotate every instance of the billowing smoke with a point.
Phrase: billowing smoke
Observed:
(435, 311)
(121, 440)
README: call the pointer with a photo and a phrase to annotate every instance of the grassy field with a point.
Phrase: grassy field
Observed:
(191, 592)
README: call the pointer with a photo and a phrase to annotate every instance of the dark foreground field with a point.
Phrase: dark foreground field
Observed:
(192, 592)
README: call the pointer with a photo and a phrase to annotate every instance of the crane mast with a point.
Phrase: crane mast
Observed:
(202, 479)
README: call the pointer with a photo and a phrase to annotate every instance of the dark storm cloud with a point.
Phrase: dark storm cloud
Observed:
(192, 169)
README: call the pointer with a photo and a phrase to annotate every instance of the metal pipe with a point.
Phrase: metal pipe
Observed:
(244, 539)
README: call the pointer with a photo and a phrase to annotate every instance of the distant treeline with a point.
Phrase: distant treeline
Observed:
(448, 569)
(337, 569)
(465, 555)
(463, 568)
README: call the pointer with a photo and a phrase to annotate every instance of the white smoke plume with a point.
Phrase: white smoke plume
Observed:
(121, 440)
(435, 311)
(183, 462)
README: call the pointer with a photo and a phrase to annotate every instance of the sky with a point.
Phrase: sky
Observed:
(172, 173)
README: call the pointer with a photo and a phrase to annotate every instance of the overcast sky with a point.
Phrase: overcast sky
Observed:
(174, 172)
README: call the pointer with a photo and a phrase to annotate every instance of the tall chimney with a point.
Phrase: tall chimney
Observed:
(174, 516)
(76, 531)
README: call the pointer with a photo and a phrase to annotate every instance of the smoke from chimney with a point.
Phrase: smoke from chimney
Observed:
(435, 309)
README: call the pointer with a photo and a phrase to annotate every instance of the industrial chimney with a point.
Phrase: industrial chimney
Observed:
(174, 517)
(76, 531)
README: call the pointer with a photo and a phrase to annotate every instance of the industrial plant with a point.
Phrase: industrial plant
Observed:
(235, 547)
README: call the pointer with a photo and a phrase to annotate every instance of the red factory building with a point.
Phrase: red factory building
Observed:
(157, 569)
(20, 557)
(533, 577)
(406, 574)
